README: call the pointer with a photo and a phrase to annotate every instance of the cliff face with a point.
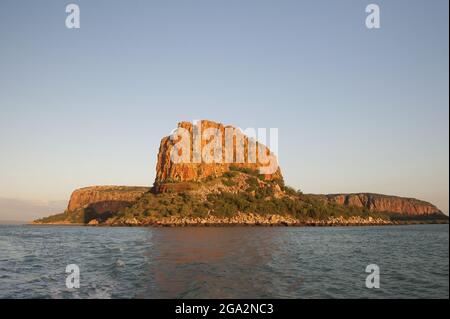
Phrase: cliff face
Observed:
(383, 203)
(196, 168)
(105, 198)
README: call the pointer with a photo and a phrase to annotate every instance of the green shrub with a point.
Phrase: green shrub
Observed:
(244, 170)
(252, 181)
(228, 182)
(290, 191)
(230, 174)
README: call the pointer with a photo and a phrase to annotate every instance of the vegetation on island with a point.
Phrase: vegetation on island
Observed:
(238, 191)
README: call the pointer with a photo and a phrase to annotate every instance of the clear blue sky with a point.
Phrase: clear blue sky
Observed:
(357, 109)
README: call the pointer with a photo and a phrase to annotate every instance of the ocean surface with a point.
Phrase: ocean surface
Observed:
(224, 262)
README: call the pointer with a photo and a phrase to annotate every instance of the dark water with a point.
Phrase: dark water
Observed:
(235, 262)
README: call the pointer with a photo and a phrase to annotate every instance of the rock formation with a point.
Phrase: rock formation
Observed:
(382, 203)
(235, 188)
(197, 169)
(105, 198)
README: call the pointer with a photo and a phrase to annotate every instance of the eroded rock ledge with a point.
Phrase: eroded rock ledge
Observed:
(108, 195)
(382, 203)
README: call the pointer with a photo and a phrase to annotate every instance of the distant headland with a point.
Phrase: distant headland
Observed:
(241, 187)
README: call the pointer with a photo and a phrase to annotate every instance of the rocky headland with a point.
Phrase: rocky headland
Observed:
(206, 194)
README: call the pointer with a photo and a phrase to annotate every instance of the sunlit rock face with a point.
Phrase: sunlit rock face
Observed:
(383, 203)
(105, 198)
(209, 149)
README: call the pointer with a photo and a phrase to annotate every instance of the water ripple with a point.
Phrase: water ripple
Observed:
(228, 262)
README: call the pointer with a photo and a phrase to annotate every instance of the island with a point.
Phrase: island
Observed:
(230, 192)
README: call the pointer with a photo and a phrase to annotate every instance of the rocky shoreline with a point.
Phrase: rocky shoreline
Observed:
(250, 220)
(238, 220)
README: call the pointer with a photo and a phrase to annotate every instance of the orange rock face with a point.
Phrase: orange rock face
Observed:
(384, 203)
(209, 149)
(105, 198)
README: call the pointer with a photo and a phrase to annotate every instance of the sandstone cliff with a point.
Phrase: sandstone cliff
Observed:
(105, 198)
(197, 169)
(382, 203)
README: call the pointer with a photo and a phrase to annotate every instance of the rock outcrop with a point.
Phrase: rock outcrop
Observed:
(383, 203)
(196, 168)
(105, 198)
